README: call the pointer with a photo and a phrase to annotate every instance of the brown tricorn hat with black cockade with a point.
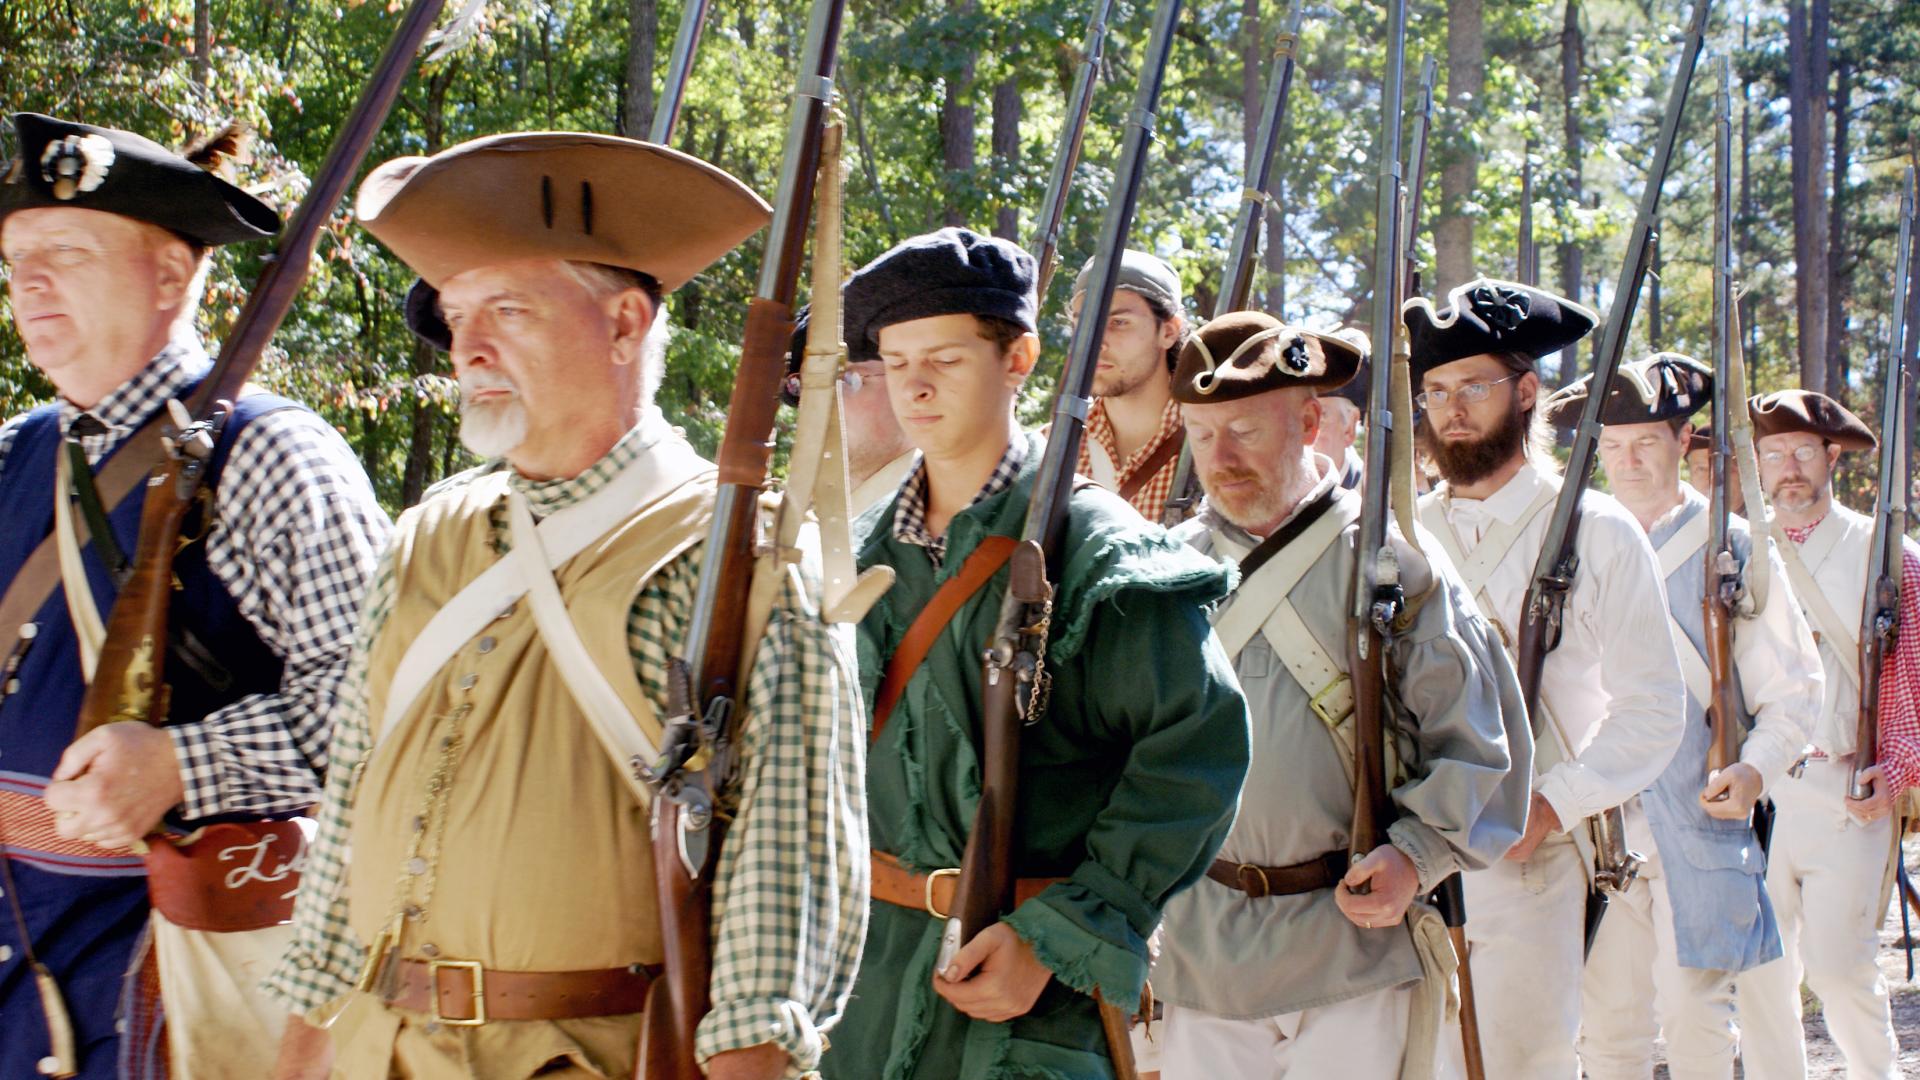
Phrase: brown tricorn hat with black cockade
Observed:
(1786, 411)
(1244, 353)
(567, 195)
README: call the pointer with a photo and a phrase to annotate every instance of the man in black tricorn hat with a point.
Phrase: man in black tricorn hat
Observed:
(1665, 958)
(106, 236)
(1275, 966)
(1611, 696)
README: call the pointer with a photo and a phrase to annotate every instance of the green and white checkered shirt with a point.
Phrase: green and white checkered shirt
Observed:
(791, 894)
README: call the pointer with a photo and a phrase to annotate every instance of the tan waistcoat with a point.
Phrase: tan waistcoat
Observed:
(544, 861)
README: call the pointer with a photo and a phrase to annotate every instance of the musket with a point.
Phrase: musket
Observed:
(1013, 674)
(1527, 260)
(673, 90)
(1417, 179)
(1053, 212)
(1377, 597)
(129, 682)
(1553, 574)
(1880, 615)
(1723, 578)
(1236, 279)
(705, 707)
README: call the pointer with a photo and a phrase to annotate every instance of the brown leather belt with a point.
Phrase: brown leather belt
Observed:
(462, 993)
(933, 893)
(1258, 881)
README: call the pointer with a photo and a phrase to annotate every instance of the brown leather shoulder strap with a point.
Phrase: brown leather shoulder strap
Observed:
(1151, 467)
(984, 562)
(29, 590)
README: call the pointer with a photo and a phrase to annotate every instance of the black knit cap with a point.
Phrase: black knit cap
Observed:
(1490, 316)
(61, 163)
(1658, 387)
(950, 272)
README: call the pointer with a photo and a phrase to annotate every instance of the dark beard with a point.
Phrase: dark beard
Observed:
(1472, 462)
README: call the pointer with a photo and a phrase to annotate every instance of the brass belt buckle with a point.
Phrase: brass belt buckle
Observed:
(435, 967)
(927, 901)
(1248, 874)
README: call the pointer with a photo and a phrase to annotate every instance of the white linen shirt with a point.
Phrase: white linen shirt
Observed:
(1613, 685)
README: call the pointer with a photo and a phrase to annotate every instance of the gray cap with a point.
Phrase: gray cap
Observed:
(1148, 275)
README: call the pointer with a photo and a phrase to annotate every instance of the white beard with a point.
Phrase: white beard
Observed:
(495, 429)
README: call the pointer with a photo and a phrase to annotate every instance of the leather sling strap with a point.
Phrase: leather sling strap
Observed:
(1151, 467)
(31, 587)
(982, 563)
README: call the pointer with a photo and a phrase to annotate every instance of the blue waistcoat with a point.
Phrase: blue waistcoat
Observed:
(1715, 870)
(86, 913)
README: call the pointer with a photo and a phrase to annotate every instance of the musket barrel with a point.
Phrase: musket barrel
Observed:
(1236, 282)
(673, 89)
(1053, 211)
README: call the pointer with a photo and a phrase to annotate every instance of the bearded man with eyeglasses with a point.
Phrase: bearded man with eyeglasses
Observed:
(1613, 701)
(1830, 864)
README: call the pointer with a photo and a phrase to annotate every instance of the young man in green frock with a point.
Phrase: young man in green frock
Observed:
(1130, 776)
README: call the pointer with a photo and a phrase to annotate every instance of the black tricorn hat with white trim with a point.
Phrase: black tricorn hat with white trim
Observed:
(63, 163)
(1487, 315)
(1648, 390)
(1244, 353)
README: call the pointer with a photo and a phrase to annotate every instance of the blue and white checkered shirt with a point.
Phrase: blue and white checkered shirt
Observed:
(296, 537)
(910, 514)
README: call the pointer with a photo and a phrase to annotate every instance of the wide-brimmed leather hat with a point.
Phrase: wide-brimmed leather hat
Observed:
(63, 163)
(568, 195)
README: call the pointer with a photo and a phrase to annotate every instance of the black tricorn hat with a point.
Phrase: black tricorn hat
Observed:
(1356, 388)
(1490, 316)
(1648, 390)
(1243, 353)
(1785, 411)
(61, 163)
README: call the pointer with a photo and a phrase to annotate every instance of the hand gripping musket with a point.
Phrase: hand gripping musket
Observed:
(1013, 673)
(1540, 617)
(129, 681)
(1880, 618)
(694, 773)
(1053, 212)
(1236, 279)
(1724, 584)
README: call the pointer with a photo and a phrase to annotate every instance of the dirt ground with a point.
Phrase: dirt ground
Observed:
(1823, 1058)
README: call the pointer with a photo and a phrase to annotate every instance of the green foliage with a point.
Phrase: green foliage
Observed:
(293, 68)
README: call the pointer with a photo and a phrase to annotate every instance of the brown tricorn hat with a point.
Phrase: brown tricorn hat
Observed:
(1785, 411)
(1663, 386)
(1244, 353)
(555, 195)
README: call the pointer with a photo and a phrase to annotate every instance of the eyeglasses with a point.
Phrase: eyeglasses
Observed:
(1471, 394)
(1804, 454)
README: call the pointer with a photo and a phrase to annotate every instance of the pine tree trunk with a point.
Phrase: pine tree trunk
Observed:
(643, 21)
(1839, 266)
(1808, 73)
(1006, 154)
(1573, 62)
(202, 42)
(957, 124)
(425, 359)
(1466, 85)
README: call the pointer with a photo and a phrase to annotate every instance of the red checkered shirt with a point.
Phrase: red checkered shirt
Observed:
(1899, 749)
(1151, 499)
